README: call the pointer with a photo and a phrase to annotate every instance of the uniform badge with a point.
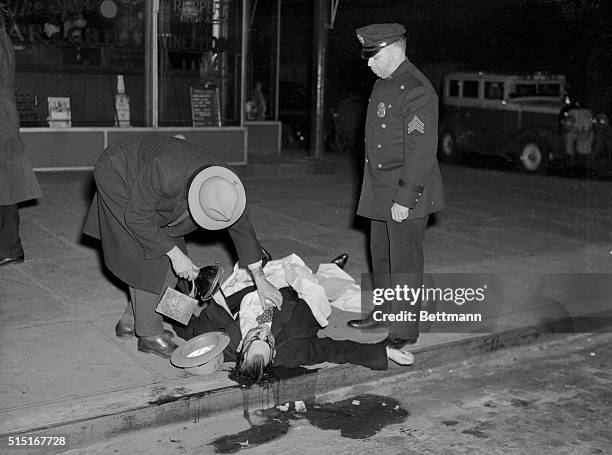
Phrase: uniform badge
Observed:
(360, 38)
(381, 110)
(416, 125)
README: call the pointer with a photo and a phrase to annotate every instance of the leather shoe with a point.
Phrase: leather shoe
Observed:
(123, 329)
(341, 260)
(9, 260)
(158, 344)
(267, 257)
(367, 323)
(399, 343)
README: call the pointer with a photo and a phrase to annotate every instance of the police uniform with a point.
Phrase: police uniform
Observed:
(401, 136)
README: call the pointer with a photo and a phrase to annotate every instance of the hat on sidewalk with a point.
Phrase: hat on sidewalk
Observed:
(375, 37)
(216, 198)
(202, 354)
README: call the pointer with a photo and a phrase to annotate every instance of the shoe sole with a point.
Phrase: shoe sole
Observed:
(151, 351)
(13, 262)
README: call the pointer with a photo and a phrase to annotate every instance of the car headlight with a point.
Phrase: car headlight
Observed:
(602, 120)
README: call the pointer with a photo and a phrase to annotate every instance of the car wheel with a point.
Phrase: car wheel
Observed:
(447, 147)
(532, 156)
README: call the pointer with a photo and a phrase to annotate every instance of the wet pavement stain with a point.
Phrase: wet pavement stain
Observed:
(477, 433)
(450, 423)
(358, 417)
(520, 403)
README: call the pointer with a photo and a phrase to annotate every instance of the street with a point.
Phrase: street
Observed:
(547, 398)
(505, 224)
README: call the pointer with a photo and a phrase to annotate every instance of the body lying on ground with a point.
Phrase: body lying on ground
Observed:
(287, 338)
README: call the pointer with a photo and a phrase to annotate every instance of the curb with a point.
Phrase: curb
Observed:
(194, 406)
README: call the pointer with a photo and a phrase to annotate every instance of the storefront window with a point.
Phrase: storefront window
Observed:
(262, 61)
(199, 62)
(75, 50)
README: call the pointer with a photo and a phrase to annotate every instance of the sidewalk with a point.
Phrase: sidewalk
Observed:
(65, 372)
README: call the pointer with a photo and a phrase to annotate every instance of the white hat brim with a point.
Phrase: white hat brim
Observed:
(180, 357)
(193, 197)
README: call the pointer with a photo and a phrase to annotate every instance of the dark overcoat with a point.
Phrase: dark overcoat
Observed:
(17, 180)
(141, 190)
(401, 138)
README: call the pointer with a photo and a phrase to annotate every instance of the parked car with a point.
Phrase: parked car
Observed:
(525, 118)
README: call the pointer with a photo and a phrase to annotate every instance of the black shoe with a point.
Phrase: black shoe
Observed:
(341, 260)
(399, 343)
(9, 260)
(208, 282)
(267, 257)
(126, 330)
(367, 323)
(159, 345)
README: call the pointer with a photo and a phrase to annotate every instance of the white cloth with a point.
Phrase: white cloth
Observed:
(329, 284)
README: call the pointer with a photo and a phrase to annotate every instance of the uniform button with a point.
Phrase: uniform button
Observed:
(383, 126)
(379, 166)
(402, 87)
(365, 140)
(389, 106)
(379, 145)
(367, 161)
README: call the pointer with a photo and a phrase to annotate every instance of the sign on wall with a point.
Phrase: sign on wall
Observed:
(205, 109)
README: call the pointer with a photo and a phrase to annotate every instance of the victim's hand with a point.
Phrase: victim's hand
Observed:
(399, 213)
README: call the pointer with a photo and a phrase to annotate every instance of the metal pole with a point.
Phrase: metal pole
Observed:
(243, 59)
(151, 69)
(277, 71)
(317, 137)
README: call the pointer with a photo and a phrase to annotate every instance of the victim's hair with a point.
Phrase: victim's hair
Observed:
(254, 368)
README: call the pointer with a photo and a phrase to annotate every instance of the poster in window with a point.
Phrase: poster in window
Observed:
(59, 112)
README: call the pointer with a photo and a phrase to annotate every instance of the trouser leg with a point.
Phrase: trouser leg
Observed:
(146, 321)
(406, 262)
(379, 250)
(10, 243)
(128, 313)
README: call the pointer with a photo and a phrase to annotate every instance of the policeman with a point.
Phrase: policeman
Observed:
(401, 183)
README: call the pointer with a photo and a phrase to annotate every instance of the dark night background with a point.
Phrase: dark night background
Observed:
(571, 37)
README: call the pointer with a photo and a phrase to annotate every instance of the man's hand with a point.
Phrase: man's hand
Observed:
(399, 213)
(268, 294)
(182, 265)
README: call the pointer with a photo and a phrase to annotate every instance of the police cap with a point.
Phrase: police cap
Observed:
(375, 37)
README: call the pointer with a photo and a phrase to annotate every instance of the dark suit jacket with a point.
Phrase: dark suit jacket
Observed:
(295, 330)
(141, 190)
(401, 135)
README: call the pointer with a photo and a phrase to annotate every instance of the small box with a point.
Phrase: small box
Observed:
(177, 306)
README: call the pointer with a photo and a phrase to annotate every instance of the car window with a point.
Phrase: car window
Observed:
(453, 88)
(549, 90)
(494, 90)
(470, 89)
(519, 90)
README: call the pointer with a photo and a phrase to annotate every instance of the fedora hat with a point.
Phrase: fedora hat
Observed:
(216, 198)
(202, 354)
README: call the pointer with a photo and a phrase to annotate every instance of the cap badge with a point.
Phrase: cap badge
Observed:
(381, 110)
(360, 38)
(416, 125)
